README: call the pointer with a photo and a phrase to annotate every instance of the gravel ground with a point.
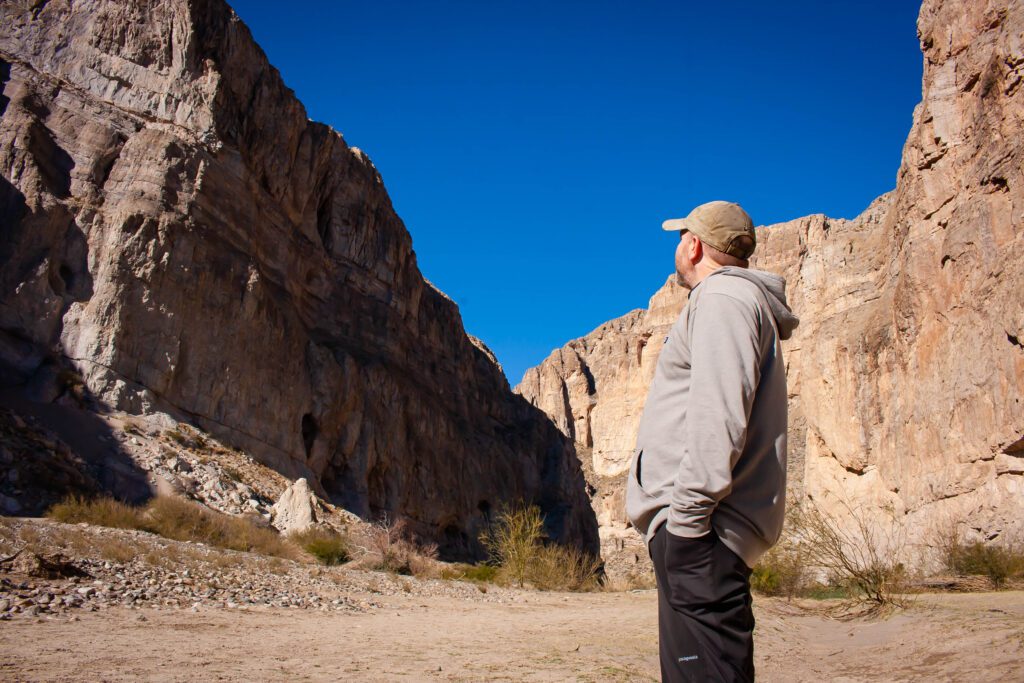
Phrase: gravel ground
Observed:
(65, 569)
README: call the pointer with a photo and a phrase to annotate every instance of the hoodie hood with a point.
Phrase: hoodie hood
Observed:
(774, 288)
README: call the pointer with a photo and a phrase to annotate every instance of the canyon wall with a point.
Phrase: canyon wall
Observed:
(177, 233)
(906, 375)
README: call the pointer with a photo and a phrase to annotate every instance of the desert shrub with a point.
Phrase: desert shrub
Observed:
(828, 591)
(232, 474)
(862, 551)
(328, 546)
(564, 568)
(187, 437)
(998, 563)
(513, 539)
(782, 571)
(114, 550)
(99, 511)
(184, 520)
(481, 573)
(397, 551)
(177, 519)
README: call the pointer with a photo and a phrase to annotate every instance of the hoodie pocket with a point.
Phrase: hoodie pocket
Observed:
(637, 471)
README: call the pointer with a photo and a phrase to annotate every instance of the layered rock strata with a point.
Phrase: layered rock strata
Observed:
(179, 233)
(906, 375)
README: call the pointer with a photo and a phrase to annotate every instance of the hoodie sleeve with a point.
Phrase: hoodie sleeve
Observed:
(725, 368)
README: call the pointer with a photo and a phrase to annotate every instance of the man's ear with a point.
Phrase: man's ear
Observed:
(696, 250)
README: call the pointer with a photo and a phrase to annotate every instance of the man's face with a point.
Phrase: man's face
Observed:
(684, 259)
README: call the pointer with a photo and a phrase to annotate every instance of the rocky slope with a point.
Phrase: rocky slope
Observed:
(180, 239)
(906, 375)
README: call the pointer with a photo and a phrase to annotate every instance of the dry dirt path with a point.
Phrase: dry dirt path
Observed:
(551, 637)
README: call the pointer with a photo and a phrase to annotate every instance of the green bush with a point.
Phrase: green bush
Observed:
(998, 563)
(515, 542)
(782, 571)
(328, 546)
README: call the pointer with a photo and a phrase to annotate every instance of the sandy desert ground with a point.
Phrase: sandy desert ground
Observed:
(538, 637)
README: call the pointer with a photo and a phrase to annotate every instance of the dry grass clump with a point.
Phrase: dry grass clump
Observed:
(187, 437)
(564, 568)
(516, 544)
(183, 520)
(177, 519)
(99, 511)
(477, 573)
(115, 550)
(326, 545)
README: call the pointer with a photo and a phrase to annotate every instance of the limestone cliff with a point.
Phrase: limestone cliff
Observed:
(906, 374)
(179, 233)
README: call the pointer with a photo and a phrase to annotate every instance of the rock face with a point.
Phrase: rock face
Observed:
(906, 375)
(177, 232)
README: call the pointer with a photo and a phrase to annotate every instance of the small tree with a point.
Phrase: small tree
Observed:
(513, 540)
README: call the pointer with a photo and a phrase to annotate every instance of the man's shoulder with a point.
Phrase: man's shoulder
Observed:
(732, 286)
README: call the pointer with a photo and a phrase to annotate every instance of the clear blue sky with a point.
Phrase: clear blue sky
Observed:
(533, 148)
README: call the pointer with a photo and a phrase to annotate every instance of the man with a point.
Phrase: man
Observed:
(708, 479)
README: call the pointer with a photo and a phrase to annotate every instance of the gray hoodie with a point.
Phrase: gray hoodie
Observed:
(711, 451)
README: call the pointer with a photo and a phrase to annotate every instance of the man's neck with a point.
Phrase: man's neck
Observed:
(702, 270)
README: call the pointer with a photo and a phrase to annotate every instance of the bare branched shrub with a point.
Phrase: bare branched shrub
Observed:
(398, 551)
(858, 549)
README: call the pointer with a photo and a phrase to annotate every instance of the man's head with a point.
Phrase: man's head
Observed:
(715, 234)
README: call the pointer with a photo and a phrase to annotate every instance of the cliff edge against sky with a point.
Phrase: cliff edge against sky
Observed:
(181, 236)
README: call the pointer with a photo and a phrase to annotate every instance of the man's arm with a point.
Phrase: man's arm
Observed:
(724, 371)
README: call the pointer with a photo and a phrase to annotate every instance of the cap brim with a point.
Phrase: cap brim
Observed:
(675, 224)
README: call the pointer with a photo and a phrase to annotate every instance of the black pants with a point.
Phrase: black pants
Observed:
(705, 620)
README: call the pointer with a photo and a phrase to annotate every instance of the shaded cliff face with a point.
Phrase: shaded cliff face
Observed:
(179, 232)
(906, 375)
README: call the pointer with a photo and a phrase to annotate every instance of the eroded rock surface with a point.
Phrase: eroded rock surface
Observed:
(181, 236)
(297, 509)
(906, 375)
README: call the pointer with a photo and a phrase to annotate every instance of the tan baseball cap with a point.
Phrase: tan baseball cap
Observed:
(719, 224)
